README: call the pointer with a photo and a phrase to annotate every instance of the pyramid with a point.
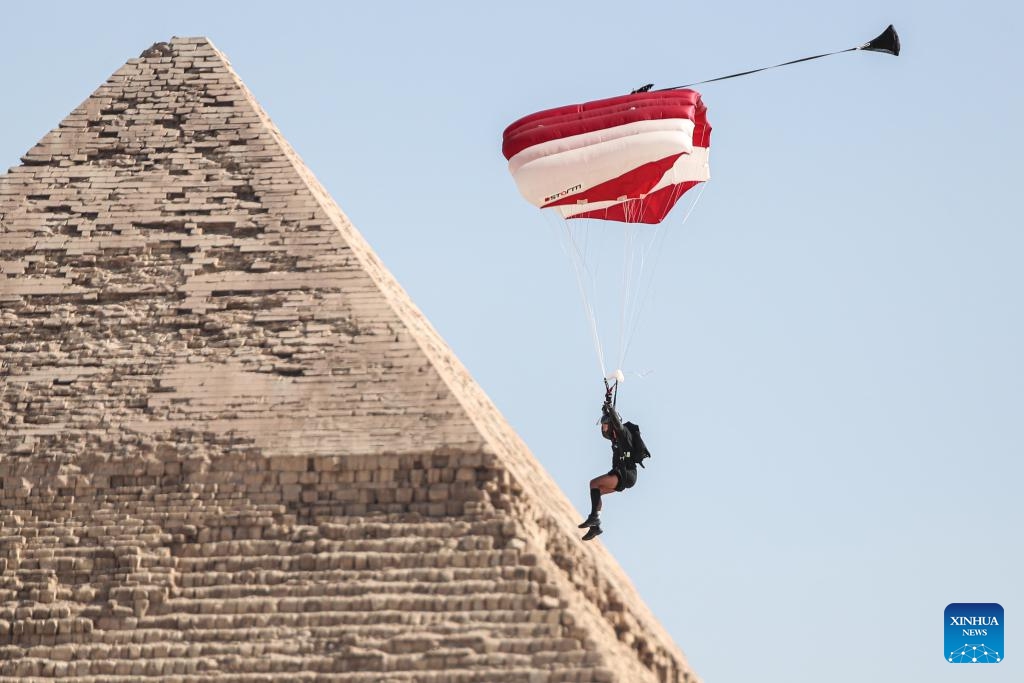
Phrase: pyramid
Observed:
(231, 447)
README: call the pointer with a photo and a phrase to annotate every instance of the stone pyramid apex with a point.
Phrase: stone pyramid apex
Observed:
(231, 445)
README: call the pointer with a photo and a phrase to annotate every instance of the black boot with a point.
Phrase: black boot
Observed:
(595, 507)
(593, 532)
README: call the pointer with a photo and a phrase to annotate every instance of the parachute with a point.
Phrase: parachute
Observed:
(627, 158)
(613, 169)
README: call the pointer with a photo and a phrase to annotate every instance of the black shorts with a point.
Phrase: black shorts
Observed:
(627, 477)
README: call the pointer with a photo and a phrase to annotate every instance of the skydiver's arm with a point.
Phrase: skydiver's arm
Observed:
(623, 434)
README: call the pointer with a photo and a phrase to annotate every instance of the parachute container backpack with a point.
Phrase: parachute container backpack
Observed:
(611, 171)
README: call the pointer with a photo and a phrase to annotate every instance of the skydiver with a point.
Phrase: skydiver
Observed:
(628, 451)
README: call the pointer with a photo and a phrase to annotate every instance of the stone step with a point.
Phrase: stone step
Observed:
(273, 642)
(416, 574)
(206, 527)
(472, 613)
(412, 543)
(261, 671)
(217, 664)
(351, 586)
(366, 602)
(119, 626)
(405, 632)
(348, 560)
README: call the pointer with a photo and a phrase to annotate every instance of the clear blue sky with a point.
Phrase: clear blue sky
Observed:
(836, 383)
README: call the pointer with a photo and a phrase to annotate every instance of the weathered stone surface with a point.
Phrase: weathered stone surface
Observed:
(231, 448)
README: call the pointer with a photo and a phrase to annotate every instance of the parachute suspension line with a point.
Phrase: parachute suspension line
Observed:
(628, 247)
(657, 249)
(686, 216)
(638, 287)
(640, 292)
(578, 258)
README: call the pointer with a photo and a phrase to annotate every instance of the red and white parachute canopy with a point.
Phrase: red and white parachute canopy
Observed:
(627, 158)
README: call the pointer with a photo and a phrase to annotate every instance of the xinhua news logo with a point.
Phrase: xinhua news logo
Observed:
(974, 633)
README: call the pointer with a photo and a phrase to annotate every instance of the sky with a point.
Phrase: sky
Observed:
(828, 366)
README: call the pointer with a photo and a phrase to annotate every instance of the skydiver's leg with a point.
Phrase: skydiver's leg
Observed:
(599, 486)
(604, 485)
